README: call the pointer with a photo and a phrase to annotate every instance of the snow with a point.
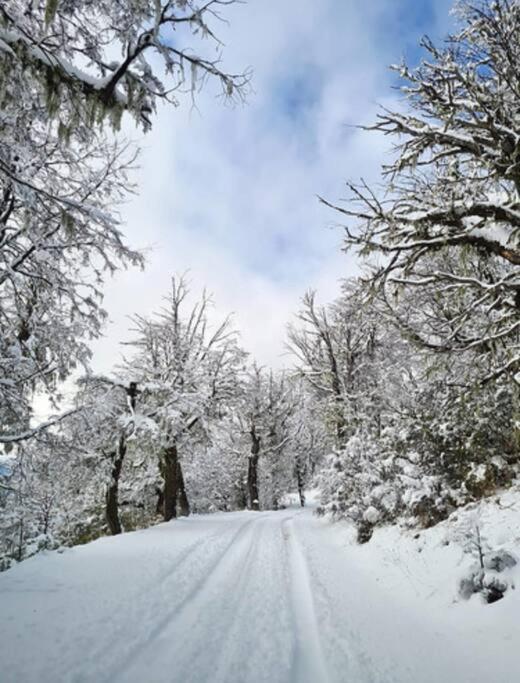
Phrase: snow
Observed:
(502, 233)
(6, 463)
(47, 58)
(5, 47)
(247, 597)
(371, 514)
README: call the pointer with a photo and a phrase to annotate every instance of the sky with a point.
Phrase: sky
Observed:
(228, 194)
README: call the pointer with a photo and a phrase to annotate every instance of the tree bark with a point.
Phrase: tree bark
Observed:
(112, 502)
(301, 485)
(160, 500)
(184, 503)
(240, 495)
(339, 418)
(169, 473)
(252, 472)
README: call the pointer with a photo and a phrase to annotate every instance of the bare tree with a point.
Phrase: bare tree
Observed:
(332, 346)
(450, 217)
(68, 71)
(67, 51)
(186, 371)
(104, 422)
(267, 405)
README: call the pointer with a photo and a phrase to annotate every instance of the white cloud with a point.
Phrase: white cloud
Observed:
(230, 193)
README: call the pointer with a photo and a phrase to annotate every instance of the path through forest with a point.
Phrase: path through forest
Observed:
(226, 598)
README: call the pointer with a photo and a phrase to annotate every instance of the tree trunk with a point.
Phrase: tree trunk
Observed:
(169, 473)
(184, 503)
(160, 500)
(301, 485)
(112, 505)
(341, 426)
(252, 472)
(252, 483)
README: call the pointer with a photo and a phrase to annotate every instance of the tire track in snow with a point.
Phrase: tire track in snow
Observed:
(258, 634)
(236, 551)
(308, 665)
(195, 548)
(125, 610)
(214, 611)
(345, 653)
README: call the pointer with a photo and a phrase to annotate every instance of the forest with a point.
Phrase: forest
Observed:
(400, 399)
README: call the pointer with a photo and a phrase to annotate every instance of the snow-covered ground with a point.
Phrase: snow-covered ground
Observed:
(252, 597)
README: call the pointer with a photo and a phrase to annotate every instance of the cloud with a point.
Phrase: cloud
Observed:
(230, 193)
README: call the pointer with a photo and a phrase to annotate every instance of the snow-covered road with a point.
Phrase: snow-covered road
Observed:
(225, 598)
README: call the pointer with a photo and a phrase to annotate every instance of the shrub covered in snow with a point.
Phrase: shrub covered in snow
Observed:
(455, 447)
(490, 575)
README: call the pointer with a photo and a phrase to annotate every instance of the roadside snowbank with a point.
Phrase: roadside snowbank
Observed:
(421, 572)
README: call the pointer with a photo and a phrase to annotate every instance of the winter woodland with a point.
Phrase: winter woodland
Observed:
(400, 401)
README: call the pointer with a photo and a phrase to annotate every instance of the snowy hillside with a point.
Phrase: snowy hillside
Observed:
(249, 597)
